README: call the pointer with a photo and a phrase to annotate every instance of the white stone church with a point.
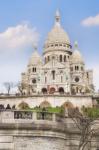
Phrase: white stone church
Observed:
(61, 69)
(57, 78)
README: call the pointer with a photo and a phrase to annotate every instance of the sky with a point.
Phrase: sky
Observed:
(25, 24)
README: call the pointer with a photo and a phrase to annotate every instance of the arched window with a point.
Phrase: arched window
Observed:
(61, 90)
(53, 74)
(34, 69)
(48, 58)
(45, 79)
(71, 68)
(77, 67)
(56, 44)
(82, 68)
(60, 58)
(44, 90)
(52, 90)
(65, 58)
(45, 60)
(61, 79)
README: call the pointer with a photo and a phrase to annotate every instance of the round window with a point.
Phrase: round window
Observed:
(77, 79)
(34, 81)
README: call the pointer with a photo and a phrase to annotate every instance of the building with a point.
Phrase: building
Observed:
(59, 78)
(61, 69)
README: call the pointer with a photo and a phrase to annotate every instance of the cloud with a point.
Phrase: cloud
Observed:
(91, 21)
(15, 42)
(17, 37)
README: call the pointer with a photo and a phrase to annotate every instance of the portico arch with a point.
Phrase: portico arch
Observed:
(44, 90)
(61, 90)
(68, 105)
(45, 104)
(52, 90)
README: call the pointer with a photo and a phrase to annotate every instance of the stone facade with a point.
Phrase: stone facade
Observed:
(52, 100)
(59, 78)
(37, 134)
(61, 69)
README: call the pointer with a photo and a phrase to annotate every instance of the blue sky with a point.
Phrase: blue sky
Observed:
(31, 21)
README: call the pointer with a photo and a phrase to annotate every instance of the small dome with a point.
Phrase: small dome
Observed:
(35, 58)
(57, 34)
(76, 56)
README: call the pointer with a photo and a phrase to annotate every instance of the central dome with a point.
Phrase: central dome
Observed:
(57, 37)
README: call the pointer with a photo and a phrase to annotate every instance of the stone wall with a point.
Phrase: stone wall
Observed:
(54, 100)
(34, 133)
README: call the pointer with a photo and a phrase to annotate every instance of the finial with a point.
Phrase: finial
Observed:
(35, 48)
(57, 17)
(76, 44)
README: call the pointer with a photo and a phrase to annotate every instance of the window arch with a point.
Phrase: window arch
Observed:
(52, 90)
(65, 58)
(44, 90)
(61, 90)
(45, 60)
(45, 79)
(71, 68)
(77, 67)
(53, 74)
(34, 69)
(60, 57)
(48, 58)
(61, 79)
(82, 68)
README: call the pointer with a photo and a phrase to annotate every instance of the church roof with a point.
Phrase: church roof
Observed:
(57, 34)
(76, 56)
(35, 58)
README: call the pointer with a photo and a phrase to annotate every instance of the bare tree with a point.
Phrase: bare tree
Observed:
(21, 87)
(8, 86)
(87, 127)
(24, 86)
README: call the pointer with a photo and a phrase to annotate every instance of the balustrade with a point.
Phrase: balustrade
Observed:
(28, 115)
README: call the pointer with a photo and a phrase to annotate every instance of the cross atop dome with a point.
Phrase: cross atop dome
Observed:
(57, 17)
(35, 48)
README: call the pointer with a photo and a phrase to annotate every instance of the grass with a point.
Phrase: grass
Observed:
(49, 109)
(92, 112)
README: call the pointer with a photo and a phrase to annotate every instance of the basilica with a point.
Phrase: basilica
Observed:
(57, 78)
(34, 118)
(60, 70)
